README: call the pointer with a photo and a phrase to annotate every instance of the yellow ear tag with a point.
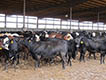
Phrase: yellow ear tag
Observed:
(29, 40)
(0, 48)
(82, 42)
(11, 42)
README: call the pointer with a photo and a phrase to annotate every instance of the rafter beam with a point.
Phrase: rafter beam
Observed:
(98, 9)
(71, 3)
(94, 17)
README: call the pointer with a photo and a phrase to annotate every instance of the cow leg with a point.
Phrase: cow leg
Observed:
(69, 59)
(6, 63)
(17, 60)
(24, 56)
(27, 54)
(83, 57)
(0, 60)
(63, 57)
(50, 61)
(104, 58)
(89, 55)
(6, 66)
(46, 61)
(14, 62)
(37, 63)
(82, 53)
(80, 57)
(101, 56)
(94, 56)
(70, 63)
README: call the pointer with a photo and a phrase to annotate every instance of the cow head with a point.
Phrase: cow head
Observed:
(37, 37)
(68, 37)
(6, 43)
(79, 41)
(46, 34)
(93, 34)
(43, 35)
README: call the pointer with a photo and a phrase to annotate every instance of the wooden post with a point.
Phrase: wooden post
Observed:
(92, 26)
(53, 23)
(16, 21)
(61, 24)
(37, 22)
(45, 23)
(70, 17)
(78, 25)
(5, 21)
(24, 9)
(98, 16)
(27, 22)
(103, 27)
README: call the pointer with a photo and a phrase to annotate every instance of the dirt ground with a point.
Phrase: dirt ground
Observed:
(90, 70)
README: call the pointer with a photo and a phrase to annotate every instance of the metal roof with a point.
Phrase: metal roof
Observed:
(82, 10)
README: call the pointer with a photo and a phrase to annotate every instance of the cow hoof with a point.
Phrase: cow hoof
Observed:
(100, 63)
(63, 68)
(6, 70)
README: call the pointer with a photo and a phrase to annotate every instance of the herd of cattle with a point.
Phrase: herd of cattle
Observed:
(47, 45)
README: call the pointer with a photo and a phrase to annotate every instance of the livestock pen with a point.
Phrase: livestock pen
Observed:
(52, 39)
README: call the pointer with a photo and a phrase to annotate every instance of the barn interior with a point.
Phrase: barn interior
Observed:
(69, 15)
(52, 26)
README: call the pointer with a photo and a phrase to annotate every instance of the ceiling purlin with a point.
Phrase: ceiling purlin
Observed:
(51, 8)
(93, 16)
(73, 3)
(98, 9)
(57, 12)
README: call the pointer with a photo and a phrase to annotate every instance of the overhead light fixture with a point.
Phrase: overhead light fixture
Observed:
(66, 15)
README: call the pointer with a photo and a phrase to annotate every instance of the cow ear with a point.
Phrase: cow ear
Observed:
(27, 38)
(17, 40)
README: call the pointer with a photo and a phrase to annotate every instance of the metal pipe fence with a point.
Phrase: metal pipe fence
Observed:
(15, 22)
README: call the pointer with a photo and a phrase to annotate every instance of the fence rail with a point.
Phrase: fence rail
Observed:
(15, 23)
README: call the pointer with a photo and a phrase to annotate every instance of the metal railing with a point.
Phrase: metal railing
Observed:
(15, 23)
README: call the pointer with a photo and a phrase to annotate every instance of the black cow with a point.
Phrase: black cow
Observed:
(14, 51)
(48, 49)
(94, 46)
(4, 53)
(72, 50)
